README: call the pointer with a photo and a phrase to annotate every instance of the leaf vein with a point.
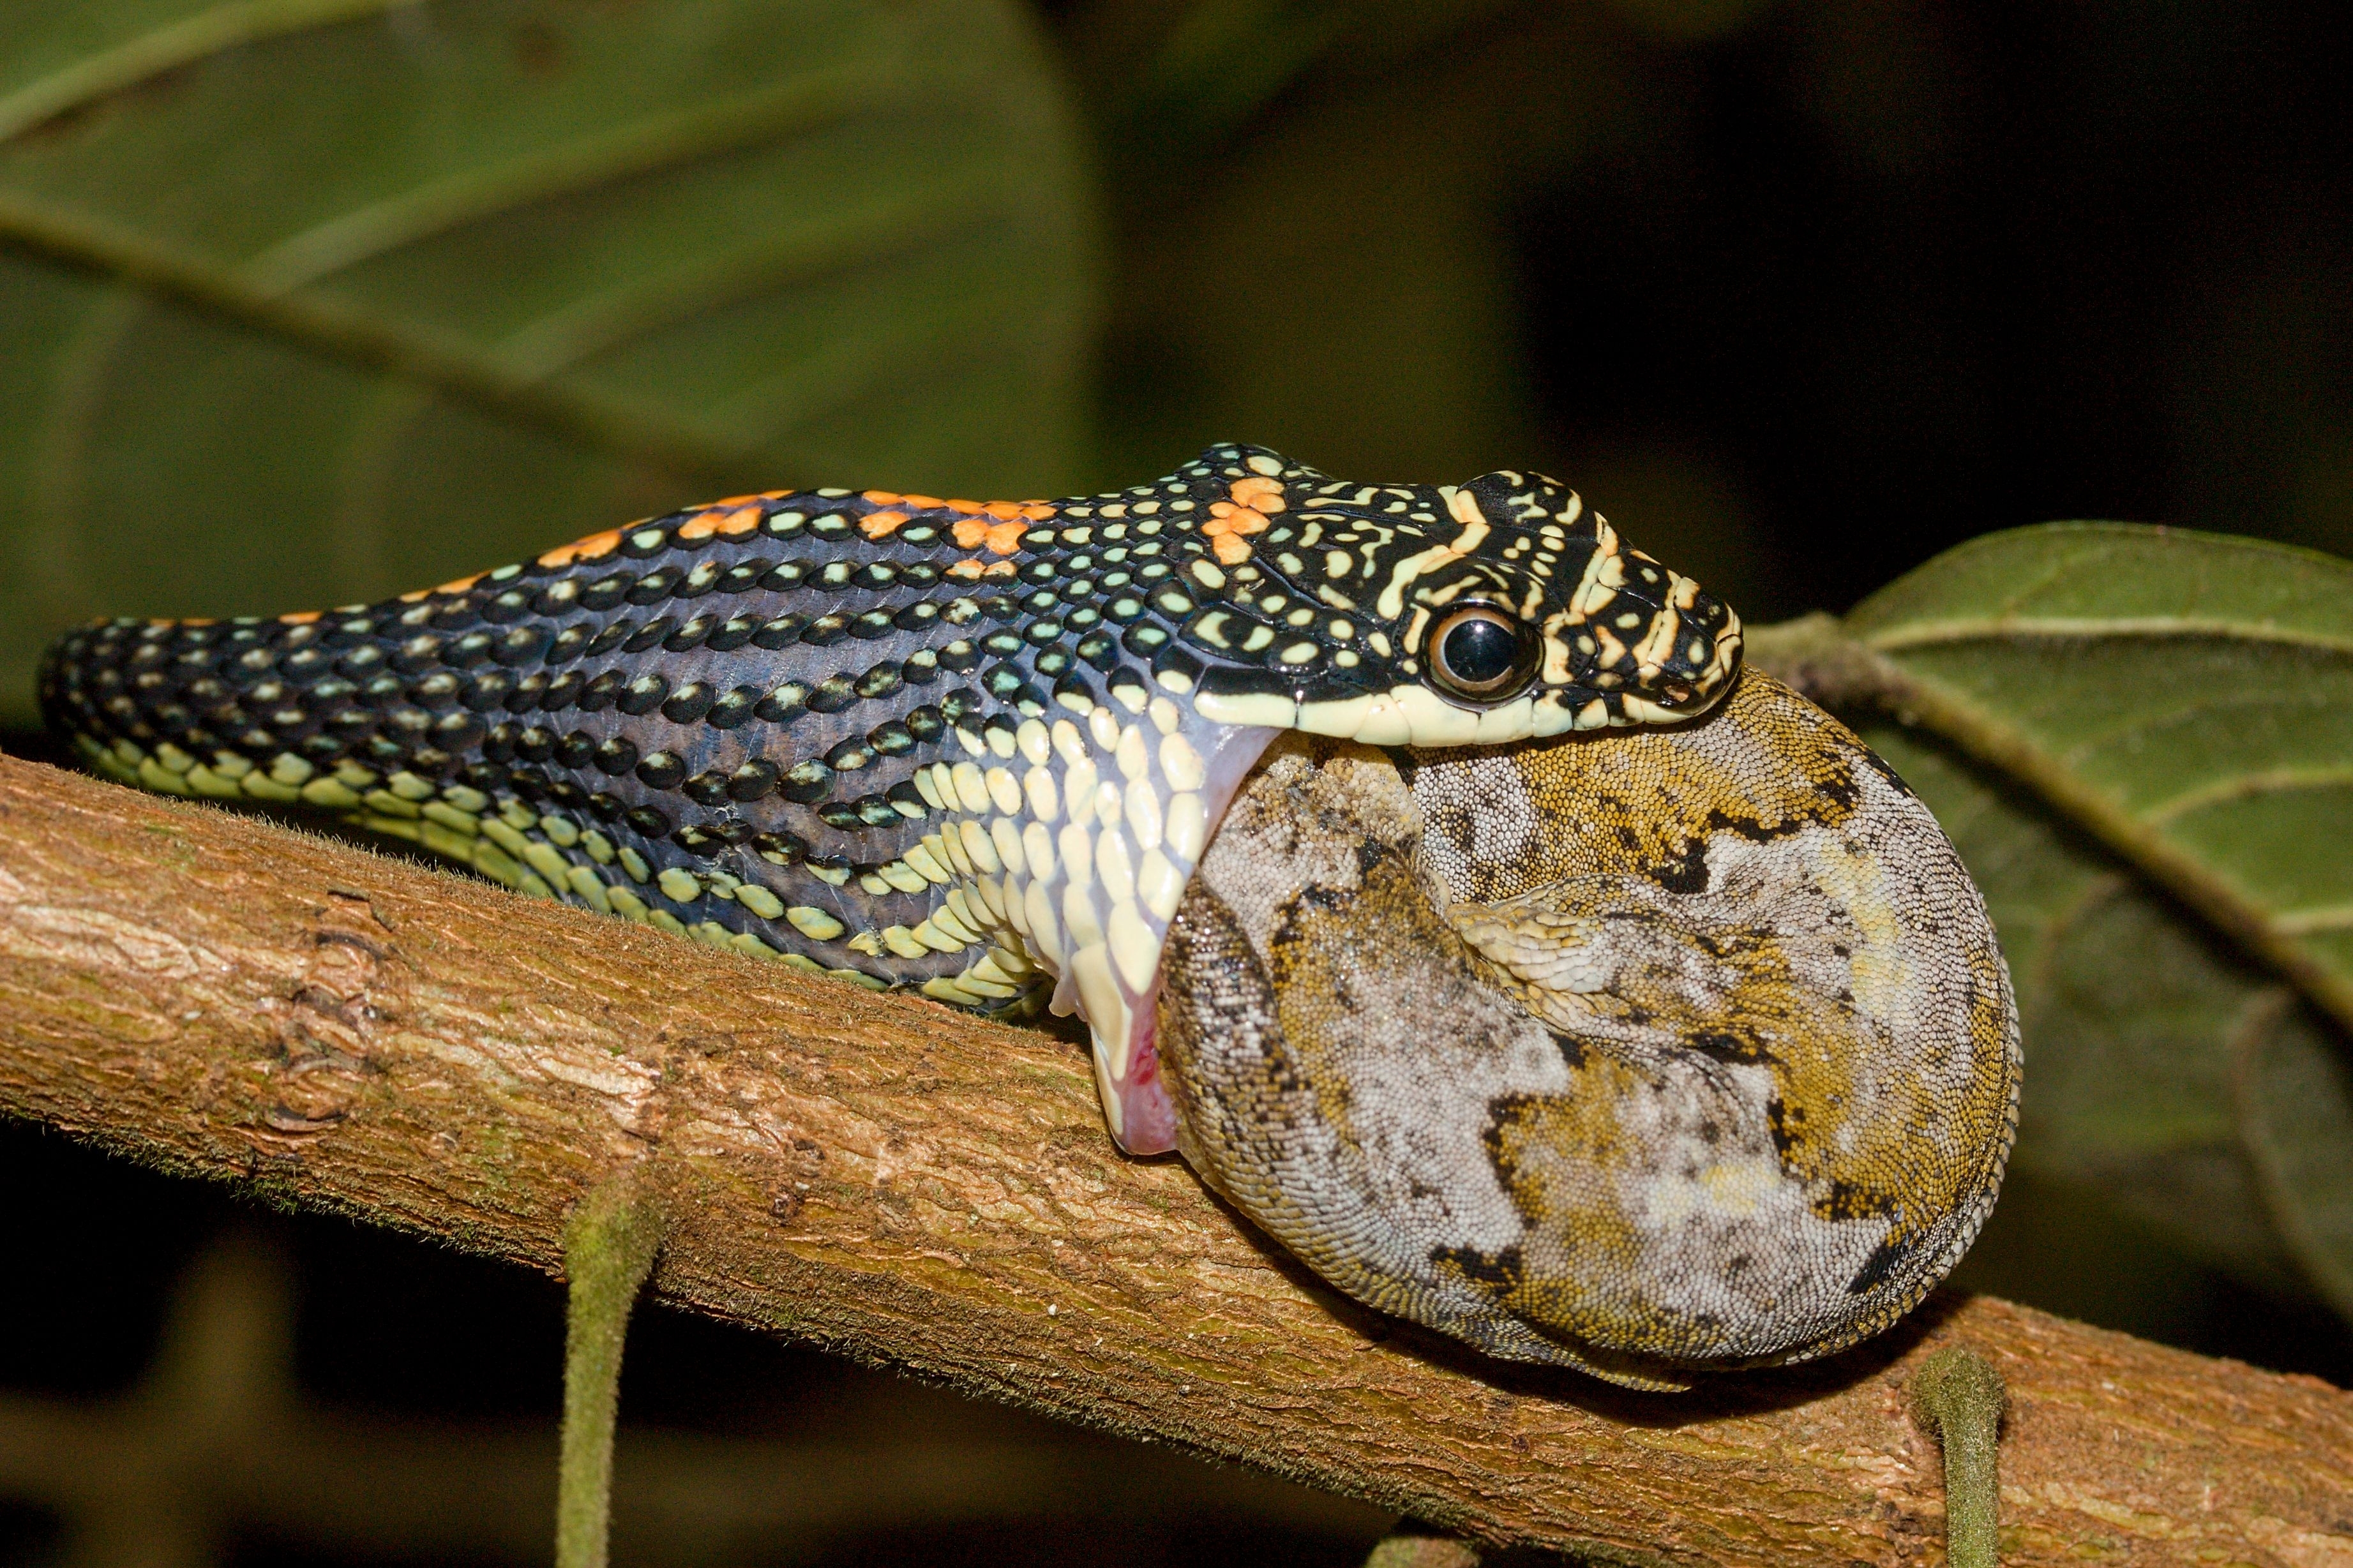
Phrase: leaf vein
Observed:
(1949, 633)
(453, 368)
(108, 72)
(645, 147)
(2275, 781)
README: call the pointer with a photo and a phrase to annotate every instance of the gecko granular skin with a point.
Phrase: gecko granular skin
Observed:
(1689, 1048)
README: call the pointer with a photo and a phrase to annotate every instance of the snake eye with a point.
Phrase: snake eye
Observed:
(1481, 653)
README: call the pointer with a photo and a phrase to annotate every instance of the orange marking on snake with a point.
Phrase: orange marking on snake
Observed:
(459, 584)
(1002, 538)
(882, 497)
(1258, 492)
(742, 519)
(298, 617)
(588, 549)
(881, 524)
(1229, 522)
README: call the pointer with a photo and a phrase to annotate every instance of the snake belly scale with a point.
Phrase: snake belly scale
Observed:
(971, 749)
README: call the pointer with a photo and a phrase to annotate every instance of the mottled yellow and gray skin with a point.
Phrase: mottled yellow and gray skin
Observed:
(1649, 1052)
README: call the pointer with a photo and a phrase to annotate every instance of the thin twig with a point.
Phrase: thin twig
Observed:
(1958, 1396)
(608, 1249)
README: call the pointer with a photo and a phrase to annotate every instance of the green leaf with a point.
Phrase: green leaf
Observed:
(2141, 742)
(2295, 1115)
(308, 301)
(2186, 699)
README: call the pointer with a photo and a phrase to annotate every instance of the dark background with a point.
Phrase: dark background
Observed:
(1815, 291)
(1799, 294)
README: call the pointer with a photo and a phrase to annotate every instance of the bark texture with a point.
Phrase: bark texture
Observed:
(331, 1029)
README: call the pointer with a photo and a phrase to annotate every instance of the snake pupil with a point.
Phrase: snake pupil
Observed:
(1480, 653)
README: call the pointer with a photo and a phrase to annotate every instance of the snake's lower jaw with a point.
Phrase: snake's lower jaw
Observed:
(1136, 1106)
(1098, 911)
(1136, 1109)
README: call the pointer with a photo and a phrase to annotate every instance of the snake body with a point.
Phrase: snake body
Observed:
(973, 749)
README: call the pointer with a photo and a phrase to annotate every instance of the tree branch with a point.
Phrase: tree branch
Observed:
(330, 1029)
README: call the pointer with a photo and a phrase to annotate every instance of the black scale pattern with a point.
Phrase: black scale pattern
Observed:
(754, 703)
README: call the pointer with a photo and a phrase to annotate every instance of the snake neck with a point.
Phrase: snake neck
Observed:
(908, 743)
(1095, 828)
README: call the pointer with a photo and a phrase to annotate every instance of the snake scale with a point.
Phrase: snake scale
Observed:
(1555, 983)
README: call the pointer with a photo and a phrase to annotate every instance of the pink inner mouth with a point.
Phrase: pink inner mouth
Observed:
(1148, 1114)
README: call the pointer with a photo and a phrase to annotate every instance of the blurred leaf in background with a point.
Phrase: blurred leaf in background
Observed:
(2141, 741)
(1310, 198)
(308, 301)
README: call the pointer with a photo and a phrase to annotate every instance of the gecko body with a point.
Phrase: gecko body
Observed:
(1674, 1049)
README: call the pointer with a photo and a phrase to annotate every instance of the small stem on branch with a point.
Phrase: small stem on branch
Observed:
(608, 1249)
(1959, 1396)
(1409, 1546)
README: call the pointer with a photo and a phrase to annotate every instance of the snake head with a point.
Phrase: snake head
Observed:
(1487, 612)
(1538, 598)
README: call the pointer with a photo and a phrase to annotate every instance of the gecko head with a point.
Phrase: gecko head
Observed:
(1485, 612)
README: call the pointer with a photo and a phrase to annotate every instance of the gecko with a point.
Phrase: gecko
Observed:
(973, 750)
(1672, 1049)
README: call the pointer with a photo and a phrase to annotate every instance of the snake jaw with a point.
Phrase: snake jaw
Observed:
(1104, 859)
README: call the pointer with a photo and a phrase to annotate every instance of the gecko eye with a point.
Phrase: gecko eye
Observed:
(1481, 653)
